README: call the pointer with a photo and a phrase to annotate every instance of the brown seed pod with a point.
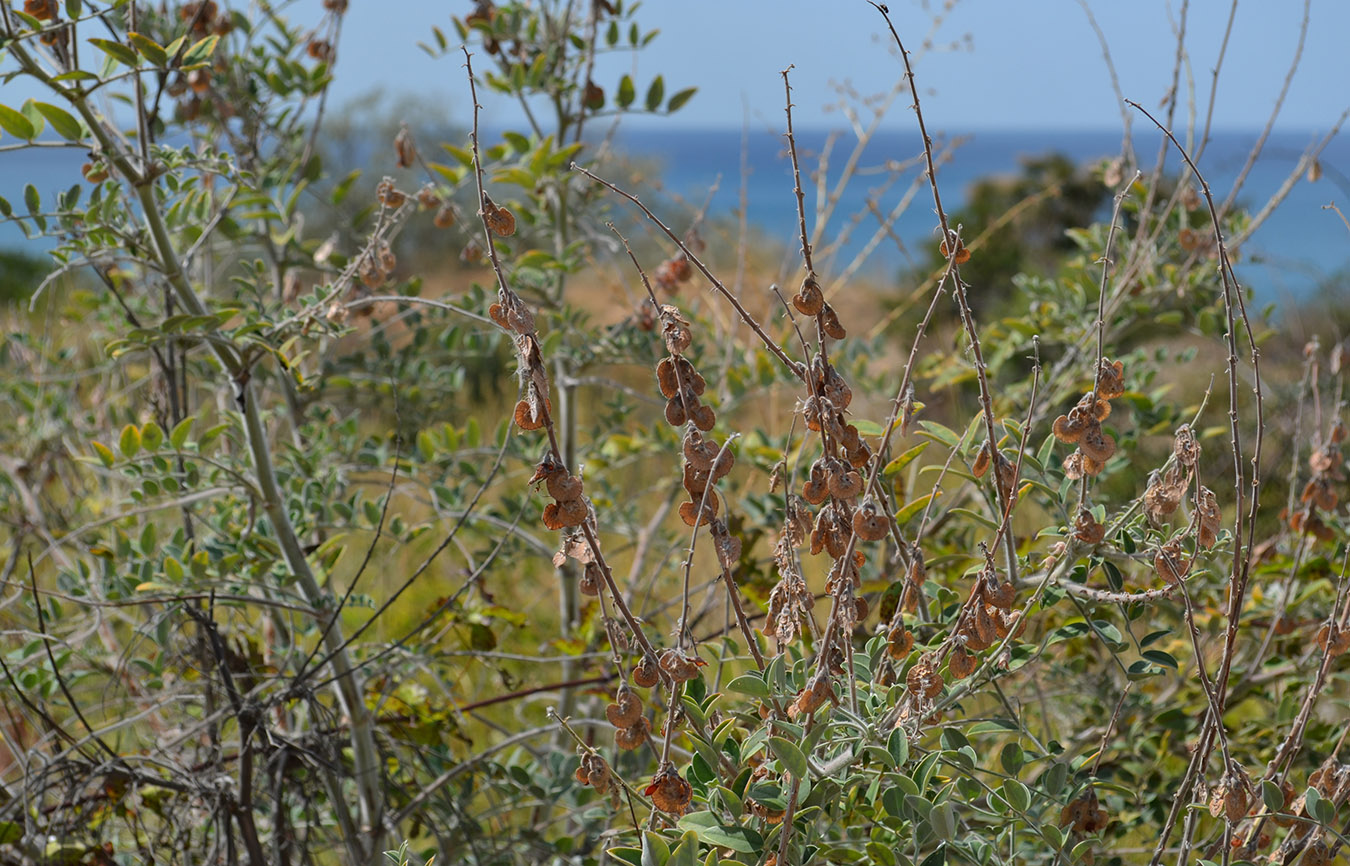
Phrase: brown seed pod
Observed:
(1001, 595)
(689, 511)
(699, 452)
(695, 482)
(809, 300)
(560, 515)
(704, 418)
(1317, 853)
(497, 313)
(962, 254)
(591, 580)
(388, 195)
(1210, 517)
(669, 791)
(646, 673)
(1335, 642)
(869, 522)
(531, 415)
(427, 198)
(962, 664)
(811, 698)
(680, 667)
(982, 462)
(1170, 564)
(1186, 447)
(1069, 428)
(94, 172)
(1161, 499)
(844, 483)
(923, 679)
(563, 486)
(899, 641)
(633, 737)
(1110, 379)
(816, 489)
(444, 218)
(666, 379)
(596, 770)
(830, 324)
(676, 414)
(625, 710)
(500, 220)
(1086, 528)
(405, 152)
(582, 776)
(1097, 444)
(1008, 623)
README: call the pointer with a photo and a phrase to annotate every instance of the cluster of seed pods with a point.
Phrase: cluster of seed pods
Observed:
(1082, 426)
(1319, 493)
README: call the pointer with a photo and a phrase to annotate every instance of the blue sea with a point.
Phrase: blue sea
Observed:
(1301, 247)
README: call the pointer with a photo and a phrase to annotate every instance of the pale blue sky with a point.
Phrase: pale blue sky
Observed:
(996, 63)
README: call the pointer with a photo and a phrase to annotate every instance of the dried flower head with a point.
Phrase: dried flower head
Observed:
(669, 791)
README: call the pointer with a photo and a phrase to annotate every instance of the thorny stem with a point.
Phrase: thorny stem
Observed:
(592, 541)
(1244, 522)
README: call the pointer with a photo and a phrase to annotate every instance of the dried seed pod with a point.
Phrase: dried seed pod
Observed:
(633, 737)
(562, 486)
(1333, 640)
(596, 771)
(699, 452)
(591, 580)
(1232, 796)
(899, 642)
(646, 673)
(811, 698)
(500, 220)
(1086, 528)
(560, 515)
(1319, 492)
(669, 791)
(923, 679)
(689, 511)
(982, 461)
(1186, 447)
(962, 254)
(1317, 853)
(962, 664)
(388, 195)
(94, 172)
(1161, 499)
(830, 324)
(844, 483)
(1172, 566)
(675, 330)
(405, 152)
(427, 197)
(444, 218)
(680, 667)
(1000, 595)
(1209, 516)
(625, 710)
(983, 630)
(1069, 428)
(704, 417)
(1110, 379)
(1097, 444)
(816, 489)
(869, 522)
(531, 414)
(666, 379)
(809, 300)
(676, 414)
(695, 482)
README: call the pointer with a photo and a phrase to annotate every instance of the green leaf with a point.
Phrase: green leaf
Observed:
(942, 434)
(627, 93)
(62, 121)
(117, 51)
(793, 758)
(1012, 758)
(1016, 794)
(130, 441)
(15, 123)
(1272, 796)
(912, 509)
(149, 48)
(686, 853)
(74, 8)
(105, 454)
(31, 199)
(655, 93)
(201, 51)
(178, 436)
(152, 436)
(898, 745)
(750, 684)
(173, 569)
(655, 851)
(678, 100)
